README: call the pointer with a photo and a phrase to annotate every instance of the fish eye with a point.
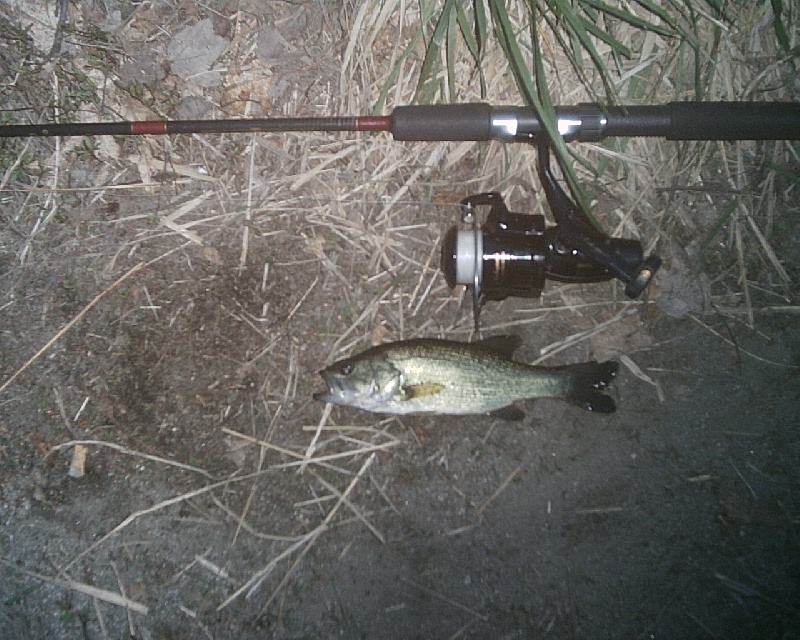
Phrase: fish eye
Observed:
(346, 368)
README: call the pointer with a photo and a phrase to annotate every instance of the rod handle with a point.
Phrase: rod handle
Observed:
(708, 121)
(452, 122)
(735, 121)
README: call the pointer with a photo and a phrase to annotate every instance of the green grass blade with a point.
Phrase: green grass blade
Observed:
(784, 171)
(576, 64)
(450, 54)
(616, 46)
(781, 34)
(510, 45)
(575, 25)
(426, 85)
(535, 92)
(481, 25)
(467, 33)
(667, 17)
(547, 114)
(630, 18)
(380, 103)
(472, 41)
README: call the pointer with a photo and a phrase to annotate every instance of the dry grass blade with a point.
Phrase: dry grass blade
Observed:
(277, 253)
(302, 299)
(120, 584)
(258, 577)
(598, 510)
(13, 167)
(100, 618)
(171, 221)
(745, 590)
(479, 511)
(774, 309)
(356, 511)
(131, 452)
(463, 629)
(93, 592)
(326, 413)
(443, 598)
(158, 507)
(570, 341)
(217, 571)
(319, 531)
(241, 523)
(636, 370)
(738, 348)
(302, 460)
(543, 312)
(248, 213)
(338, 456)
(133, 270)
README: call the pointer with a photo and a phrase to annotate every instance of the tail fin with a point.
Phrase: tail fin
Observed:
(585, 381)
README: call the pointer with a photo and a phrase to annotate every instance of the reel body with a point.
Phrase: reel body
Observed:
(513, 254)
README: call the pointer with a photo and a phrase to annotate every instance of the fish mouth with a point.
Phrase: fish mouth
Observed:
(335, 390)
(323, 396)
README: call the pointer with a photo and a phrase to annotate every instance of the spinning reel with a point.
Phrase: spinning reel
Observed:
(512, 254)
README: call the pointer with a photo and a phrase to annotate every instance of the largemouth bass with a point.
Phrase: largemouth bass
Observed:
(458, 378)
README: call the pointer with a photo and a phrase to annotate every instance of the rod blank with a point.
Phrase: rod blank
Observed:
(167, 127)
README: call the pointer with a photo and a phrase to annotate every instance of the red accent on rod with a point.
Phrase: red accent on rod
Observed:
(149, 127)
(374, 123)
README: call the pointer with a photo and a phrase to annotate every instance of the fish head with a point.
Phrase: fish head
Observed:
(368, 382)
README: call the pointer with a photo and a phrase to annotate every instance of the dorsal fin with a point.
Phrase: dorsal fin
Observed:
(505, 344)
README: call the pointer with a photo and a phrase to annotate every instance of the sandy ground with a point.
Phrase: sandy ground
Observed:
(194, 303)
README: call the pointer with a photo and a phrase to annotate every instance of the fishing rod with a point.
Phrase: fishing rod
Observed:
(479, 122)
(511, 254)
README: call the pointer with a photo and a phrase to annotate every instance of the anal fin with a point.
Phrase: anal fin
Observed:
(509, 414)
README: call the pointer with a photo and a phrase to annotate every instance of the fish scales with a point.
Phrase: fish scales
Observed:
(474, 379)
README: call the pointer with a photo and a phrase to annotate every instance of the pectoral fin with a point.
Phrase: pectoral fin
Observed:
(422, 390)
